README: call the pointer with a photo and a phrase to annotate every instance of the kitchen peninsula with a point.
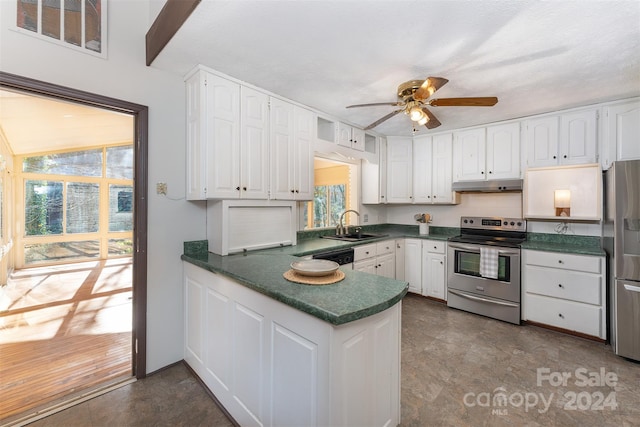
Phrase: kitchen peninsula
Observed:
(276, 352)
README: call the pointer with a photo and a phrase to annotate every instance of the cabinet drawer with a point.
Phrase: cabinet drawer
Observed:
(588, 264)
(564, 314)
(387, 247)
(435, 246)
(566, 284)
(364, 251)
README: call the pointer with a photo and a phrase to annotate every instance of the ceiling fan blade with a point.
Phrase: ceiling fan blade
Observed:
(395, 104)
(430, 85)
(432, 122)
(380, 120)
(487, 101)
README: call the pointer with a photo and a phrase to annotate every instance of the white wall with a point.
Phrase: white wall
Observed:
(471, 204)
(124, 76)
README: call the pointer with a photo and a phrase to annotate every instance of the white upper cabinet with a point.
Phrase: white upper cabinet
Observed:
(568, 139)
(487, 153)
(351, 137)
(227, 139)
(621, 132)
(254, 144)
(469, 155)
(292, 132)
(399, 170)
(432, 169)
(503, 151)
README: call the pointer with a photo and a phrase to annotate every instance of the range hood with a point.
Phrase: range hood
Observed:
(491, 186)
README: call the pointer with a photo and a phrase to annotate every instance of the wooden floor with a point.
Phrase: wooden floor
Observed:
(63, 329)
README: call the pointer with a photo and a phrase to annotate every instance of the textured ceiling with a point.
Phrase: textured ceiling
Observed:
(535, 56)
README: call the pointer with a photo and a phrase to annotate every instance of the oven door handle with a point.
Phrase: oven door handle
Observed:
(475, 298)
(476, 249)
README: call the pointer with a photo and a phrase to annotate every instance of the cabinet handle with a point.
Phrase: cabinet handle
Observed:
(565, 156)
(554, 157)
(244, 188)
(560, 315)
(560, 285)
(559, 261)
(490, 172)
(398, 246)
(482, 173)
(382, 197)
(238, 188)
(297, 191)
(292, 191)
(379, 265)
(428, 197)
(441, 262)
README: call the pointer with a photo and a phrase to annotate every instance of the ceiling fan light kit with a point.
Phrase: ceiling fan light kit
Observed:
(413, 95)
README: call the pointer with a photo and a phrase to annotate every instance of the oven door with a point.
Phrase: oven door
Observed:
(463, 272)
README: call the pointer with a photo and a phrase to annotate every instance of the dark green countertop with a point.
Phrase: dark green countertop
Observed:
(579, 245)
(358, 296)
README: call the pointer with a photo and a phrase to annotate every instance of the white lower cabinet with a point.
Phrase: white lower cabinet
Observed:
(565, 291)
(376, 258)
(434, 269)
(272, 365)
(413, 264)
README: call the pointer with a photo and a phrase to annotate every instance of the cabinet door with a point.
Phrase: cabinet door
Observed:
(223, 138)
(357, 139)
(400, 259)
(434, 280)
(366, 265)
(413, 264)
(503, 151)
(422, 162)
(442, 174)
(386, 265)
(400, 176)
(469, 153)
(578, 138)
(542, 142)
(303, 174)
(254, 144)
(282, 150)
(344, 135)
(383, 170)
(196, 132)
(622, 132)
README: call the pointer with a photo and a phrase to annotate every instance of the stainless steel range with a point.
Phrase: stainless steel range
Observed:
(483, 274)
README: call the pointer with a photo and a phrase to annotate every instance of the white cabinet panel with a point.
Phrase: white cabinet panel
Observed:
(542, 141)
(400, 259)
(413, 264)
(303, 166)
(366, 265)
(400, 171)
(351, 137)
(386, 265)
(442, 169)
(578, 137)
(577, 286)
(469, 154)
(503, 151)
(621, 132)
(434, 267)
(193, 320)
(248, 369)
(565, 261)
(254, 144)
(218, 323)
(422, 173)
(294, 380)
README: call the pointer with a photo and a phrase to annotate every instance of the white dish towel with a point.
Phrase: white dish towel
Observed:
(489, 262)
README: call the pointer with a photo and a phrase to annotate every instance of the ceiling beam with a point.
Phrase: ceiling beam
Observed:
(173, 14)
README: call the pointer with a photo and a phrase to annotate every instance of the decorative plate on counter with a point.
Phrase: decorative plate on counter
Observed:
(314, 267)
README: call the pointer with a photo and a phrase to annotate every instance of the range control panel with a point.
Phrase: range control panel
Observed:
(493, 223)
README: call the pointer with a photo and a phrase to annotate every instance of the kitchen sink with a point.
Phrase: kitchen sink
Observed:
(353, 237)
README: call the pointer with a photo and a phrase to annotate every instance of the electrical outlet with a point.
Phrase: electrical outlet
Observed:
(365, 218)
(161, 188)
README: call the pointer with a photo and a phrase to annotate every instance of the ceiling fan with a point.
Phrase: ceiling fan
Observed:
(413, 99)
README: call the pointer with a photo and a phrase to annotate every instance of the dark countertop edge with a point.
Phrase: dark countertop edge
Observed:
(563, 248)
(298, 304)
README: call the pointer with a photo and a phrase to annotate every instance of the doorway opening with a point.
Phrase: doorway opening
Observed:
(75, 245)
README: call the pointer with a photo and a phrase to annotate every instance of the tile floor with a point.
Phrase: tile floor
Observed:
(455, 368)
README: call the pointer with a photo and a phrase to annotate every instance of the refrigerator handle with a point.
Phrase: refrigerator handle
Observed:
(632, 288)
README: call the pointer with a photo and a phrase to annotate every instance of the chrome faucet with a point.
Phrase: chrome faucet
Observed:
(344, 229)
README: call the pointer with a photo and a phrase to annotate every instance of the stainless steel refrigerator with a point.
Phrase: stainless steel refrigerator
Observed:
(622, 242)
